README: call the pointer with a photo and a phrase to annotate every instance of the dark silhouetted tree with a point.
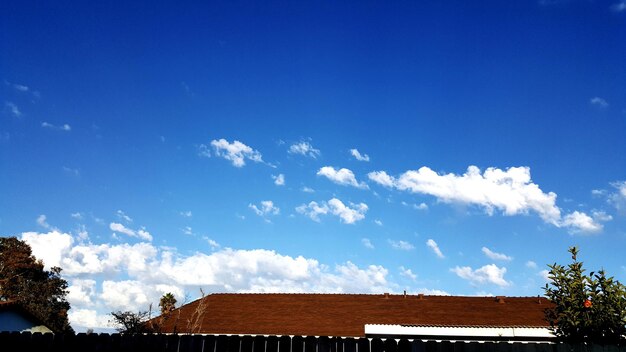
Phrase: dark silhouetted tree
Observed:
(167, 303)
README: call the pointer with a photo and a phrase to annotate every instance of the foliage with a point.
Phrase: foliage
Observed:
(167, 303)
(587, 308)
(128, 322)
(24, 280)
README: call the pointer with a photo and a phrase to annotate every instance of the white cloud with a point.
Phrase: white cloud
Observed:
(41, 221)
(12, 109)
(378, 222)
(421, 206)
(407, 273)
(435, 248)
(187, 230)
(367, 243)
(530, 264)
(347, 214)
(382, 178)
(77, 216)
(545, 275)
(203, 150)
(401, 245)
(212, 243)
(141, 233)
(265, 208)
(487, 274)
(64, 127)
(599, 102)
(619, 6)
(618, 198)
(186, 214)
(579, 222)
(496, 256)
(308, 190)
(279, 180)
(235, 152)
(510, 191)
(120, 214)
(342, 176)
(355, 153)
(304, 148)
(129, 277)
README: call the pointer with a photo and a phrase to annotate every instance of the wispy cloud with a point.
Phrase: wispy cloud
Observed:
(599, 102)
(401, 245)
(308, 190)
(342, 176)
(186, 214)
(64, 127)
(358, 156)
(236, 152)
(487, 274)
(348, 214)
(304, 148)
(530, 264)
(496, 256)
(120, 214)
(510, 191)
(619, 6)
(367, 243)
(12, 109)
(435, 248)
(141, 233)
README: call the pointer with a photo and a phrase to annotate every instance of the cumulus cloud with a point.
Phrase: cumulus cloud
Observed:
(266, 207)
(487, 274)
(141, 233)
(235, 152)
(358, 156)
(304, 148)
(435, 248)
(530, 264)
(129, 277)
(342, 176)
(407, 273)
(511, 191)
(279, 180)
(401, 245)
(579, 222)
(64, 127)
(496, 256)
(347, 214)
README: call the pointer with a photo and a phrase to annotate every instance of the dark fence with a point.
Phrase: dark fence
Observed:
(37, 342)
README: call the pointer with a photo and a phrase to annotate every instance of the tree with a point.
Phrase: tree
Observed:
(167, 303)
(24, 280)
(587, 308)
(132, 323)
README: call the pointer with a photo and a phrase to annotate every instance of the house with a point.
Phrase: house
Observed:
(14, 317)
(364, 315)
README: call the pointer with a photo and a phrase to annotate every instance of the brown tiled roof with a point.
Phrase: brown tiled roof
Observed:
(347, 314)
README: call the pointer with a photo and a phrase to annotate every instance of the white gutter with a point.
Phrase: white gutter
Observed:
(475, 332)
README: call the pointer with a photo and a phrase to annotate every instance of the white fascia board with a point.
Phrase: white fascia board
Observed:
(407, 330)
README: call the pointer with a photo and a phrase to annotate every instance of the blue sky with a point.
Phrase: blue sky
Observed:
(438, 147)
